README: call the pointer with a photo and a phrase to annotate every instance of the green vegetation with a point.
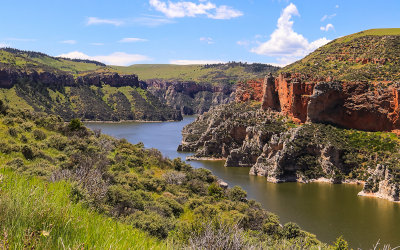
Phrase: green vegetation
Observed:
(36, 214)
(229, 73)
(371, 55)
(64, 185)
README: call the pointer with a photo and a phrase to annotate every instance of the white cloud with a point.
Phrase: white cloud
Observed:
(190, 9)
(189, 62)
(4, 45)
(97, 44)
(132, 40)
(96, 20)
(68, 42)
(325, 17)
(329, 26)
(243, 43)
(207, 40)
(116, 58)
(284, 43)
(337, 6)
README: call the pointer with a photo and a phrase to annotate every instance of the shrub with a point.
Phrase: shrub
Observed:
(75, 125)
(341, 244)
(27, 126)
(291, 230)
(39, 134)
(29, 152)
(237, 194)
(13, 132)
(151, 222)
(58, 142)
(24, 139)
(176, 208)
(174, 177)
(215, 190)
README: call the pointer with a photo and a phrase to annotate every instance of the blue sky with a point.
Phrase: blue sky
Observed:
(125, 32)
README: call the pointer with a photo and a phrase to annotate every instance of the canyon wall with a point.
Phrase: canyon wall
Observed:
(356, 105)
(190, 97)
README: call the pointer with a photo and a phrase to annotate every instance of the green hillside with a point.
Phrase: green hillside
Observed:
(215, 73)
(27, 61)
(64, 186)
(371, 55)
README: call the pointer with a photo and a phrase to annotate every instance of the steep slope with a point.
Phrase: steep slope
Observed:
(76, 88)
(352, 82)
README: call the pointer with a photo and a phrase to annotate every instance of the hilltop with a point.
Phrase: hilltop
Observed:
(228, 73)
(371, 55)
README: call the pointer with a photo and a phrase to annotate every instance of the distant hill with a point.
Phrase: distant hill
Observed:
(212, 73)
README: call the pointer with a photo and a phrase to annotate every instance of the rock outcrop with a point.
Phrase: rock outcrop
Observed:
(357, 105)
(190, 97)
(271, 145)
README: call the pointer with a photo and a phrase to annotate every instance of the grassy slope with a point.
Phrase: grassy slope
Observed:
(338, 58)
(37, 214)
(197, 73)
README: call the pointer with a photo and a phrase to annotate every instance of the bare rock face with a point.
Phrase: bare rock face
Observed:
(355, 105)
(190, 97)
(380, 184)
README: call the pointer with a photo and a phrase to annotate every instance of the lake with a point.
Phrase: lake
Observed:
(327, 210)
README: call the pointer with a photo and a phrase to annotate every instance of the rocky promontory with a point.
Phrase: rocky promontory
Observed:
(271, 145)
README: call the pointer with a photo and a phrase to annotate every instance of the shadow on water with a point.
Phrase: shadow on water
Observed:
(327, 210)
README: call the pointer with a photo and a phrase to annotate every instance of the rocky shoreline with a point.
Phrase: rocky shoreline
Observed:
(276, 148)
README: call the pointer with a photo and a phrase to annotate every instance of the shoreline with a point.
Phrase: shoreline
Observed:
(192, 158)
(376, 195)
(127, 121)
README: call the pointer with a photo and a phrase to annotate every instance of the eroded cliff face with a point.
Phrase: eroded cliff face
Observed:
(272, 146)
(356, 105)
(190, 97)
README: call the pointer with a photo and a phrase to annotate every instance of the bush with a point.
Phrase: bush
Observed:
(29, 152)
(291, 230)
(151, 222)
(237, 194)
(341, 244)
(75, 125)
(58, 142)
(39, 134)
(215, 190)
(13, 132)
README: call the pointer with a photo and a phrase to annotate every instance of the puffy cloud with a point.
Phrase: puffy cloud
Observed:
(4, 45)
(337, 6)
(188, 62)
(116, 58)
(329, 26)
(132, 40)
(68, 42)
(207, 40)
(190, 9)
(96, 20)
(285, 43)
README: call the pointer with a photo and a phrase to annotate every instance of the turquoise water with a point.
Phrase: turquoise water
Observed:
(327, 210)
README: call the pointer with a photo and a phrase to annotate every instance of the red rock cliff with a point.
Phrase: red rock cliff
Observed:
(355, 105)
